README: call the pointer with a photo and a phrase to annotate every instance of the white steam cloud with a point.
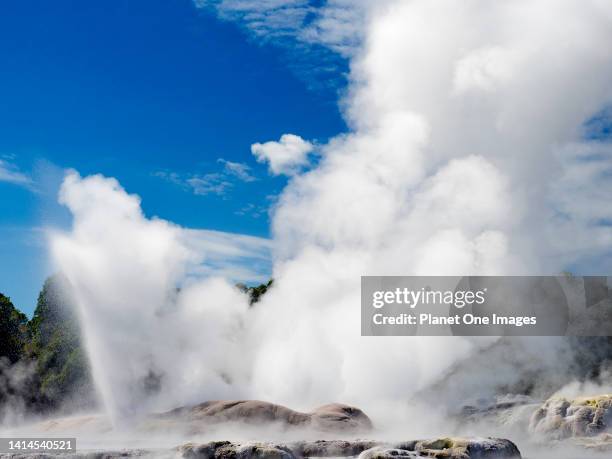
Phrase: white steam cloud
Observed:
(152, 331)
(465, 157)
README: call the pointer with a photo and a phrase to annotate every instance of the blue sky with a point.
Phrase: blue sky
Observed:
(152, 93)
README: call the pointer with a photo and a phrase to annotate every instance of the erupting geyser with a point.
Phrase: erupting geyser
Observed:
(465, 156)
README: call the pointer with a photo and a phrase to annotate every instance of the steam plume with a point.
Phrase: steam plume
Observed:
(465, 156)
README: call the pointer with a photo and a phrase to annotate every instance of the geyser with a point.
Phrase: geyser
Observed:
(465, 156)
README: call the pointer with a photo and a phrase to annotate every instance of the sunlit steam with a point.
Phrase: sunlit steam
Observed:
(465, 156)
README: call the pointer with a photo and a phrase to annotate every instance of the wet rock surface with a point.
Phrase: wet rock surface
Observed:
(561, 418)
(506, 411)
(448, 448)
(478, 408)
(577, 424)
(380, 452)
(479, 448)
(332, 448)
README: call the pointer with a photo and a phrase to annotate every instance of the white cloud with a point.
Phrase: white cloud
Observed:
(579, 206)
(483, 69)
(336, 24)
(11, 174)
(317, 38)
(266, 19)
(208, 184)
(201, 185)
(287, 156)
(239, 170)
(171, 177)
(212, 183)
(238, 257)
(252, 210)
(340, 25)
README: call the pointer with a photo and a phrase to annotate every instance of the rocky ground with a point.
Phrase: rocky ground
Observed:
(557, 424)
(447, 448)
(331, 419)
(585, 421)
(582, 423)
(450, 448)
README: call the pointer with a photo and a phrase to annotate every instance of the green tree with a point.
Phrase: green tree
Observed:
(55, 343)
(13, 330)
(255, 293)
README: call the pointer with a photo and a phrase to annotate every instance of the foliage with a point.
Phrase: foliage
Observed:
(45, 365)
(13, 330)
(55, 343)
(255, 293)
(43, 362)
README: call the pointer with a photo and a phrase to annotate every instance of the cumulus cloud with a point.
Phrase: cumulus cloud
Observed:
(483, 69)
(11, 174)
(287, 156)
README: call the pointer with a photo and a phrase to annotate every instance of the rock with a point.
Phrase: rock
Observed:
(561, 418)
(380, 452)
(239, 410)
(600, 443)
(331, 418)
(510, 413)
(206, 450)
(448, 448)
(226, 449)
(335, 417)
(491, 448)
(332, 448)
(464, 448)
(82, 425)
(264, 451)
(486, 406)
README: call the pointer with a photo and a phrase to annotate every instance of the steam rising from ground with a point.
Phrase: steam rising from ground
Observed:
(465, 157)
(14, 379)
